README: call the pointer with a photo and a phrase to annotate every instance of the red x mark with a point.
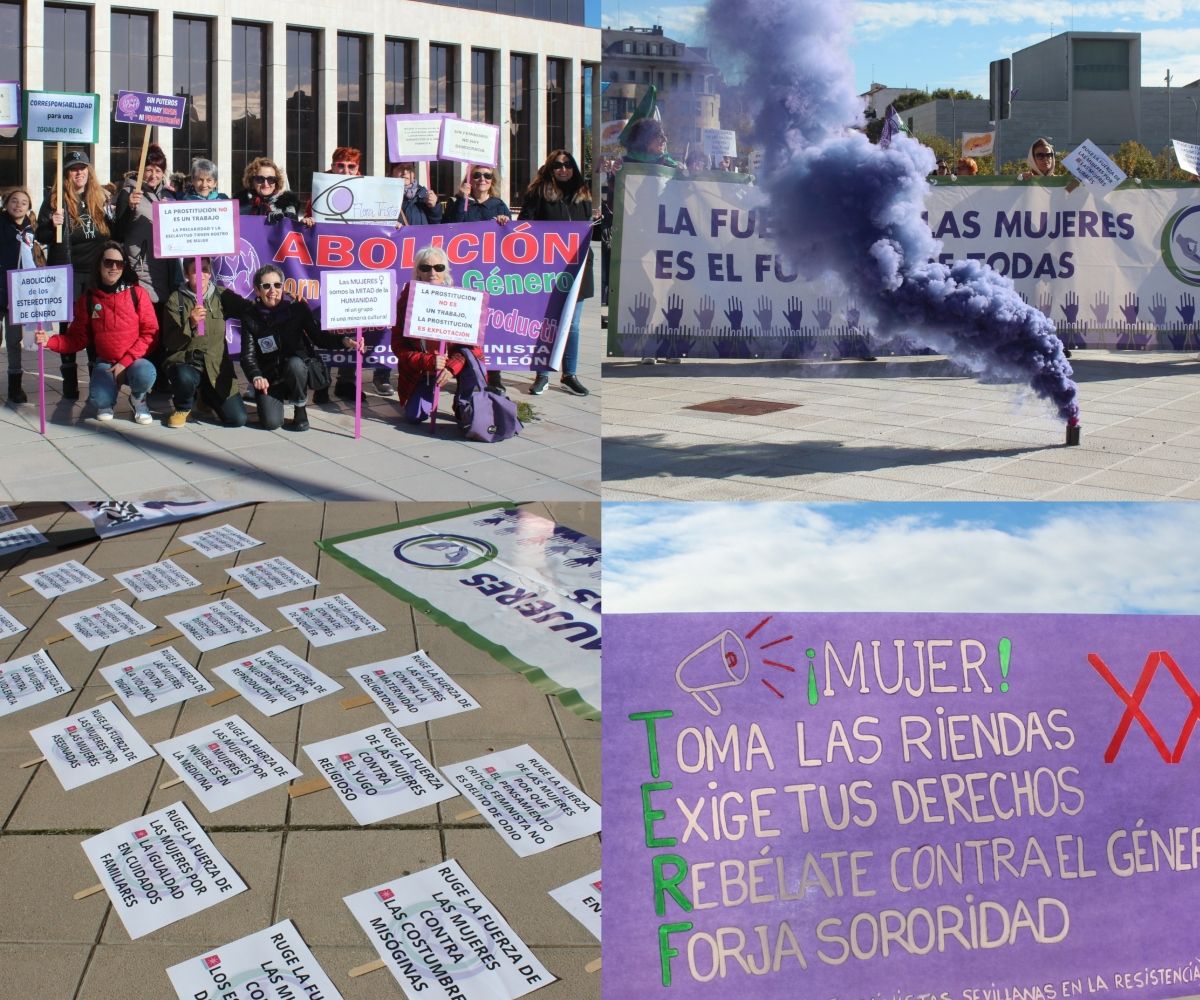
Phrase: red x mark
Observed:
(1133, 703)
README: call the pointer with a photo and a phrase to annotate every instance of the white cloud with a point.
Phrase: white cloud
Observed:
(877, 17)
(752, 557)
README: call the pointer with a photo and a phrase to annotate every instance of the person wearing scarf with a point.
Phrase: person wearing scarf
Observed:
(200, 365)
(16, 253)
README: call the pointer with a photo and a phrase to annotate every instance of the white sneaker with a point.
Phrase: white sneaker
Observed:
(141, 412)
(104, 413)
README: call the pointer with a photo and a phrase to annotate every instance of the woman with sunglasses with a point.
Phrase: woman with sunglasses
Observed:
(265, 192)
(477, 200)
(560, 193)
(115, 319)
(278, 337)
(421, 365)
(1040, 159)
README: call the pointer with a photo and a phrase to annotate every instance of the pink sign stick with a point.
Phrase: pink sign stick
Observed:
(357, 385)
(42, 380)
(437, 392)
(200, 294)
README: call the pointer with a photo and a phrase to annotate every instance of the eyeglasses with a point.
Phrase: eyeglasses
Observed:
(264, 285)
(563, 165)
(481, 175)
(112, 262)
(426, 268)
(346, 166)
(1044, 155)
(264, 179)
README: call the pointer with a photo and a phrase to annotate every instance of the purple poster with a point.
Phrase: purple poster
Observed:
(528, 270)
(901, 806)
(165, 110)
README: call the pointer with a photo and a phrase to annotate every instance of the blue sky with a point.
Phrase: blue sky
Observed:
(1098, 558)
(934, 43)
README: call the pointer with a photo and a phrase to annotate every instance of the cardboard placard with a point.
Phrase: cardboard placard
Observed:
(28, 681)
(470, 142)
(61, 116)
(10, 104)
(156, 580)
(271, 577)
(40, 296)
(327, 620)
(1187, 155)
(451, 949)
(352, 300)
(215, 542)
(105, 624)
(354, 199)
(581, 899)
(160, 868)
(7, 514)
(978, 143)
(161, 110)
(195, 228)
(65, 578)
(218, 624)
(226, 762)
(719, 142)
(24, 537)
(412, 689)
(276, 679)
(9, 625)
(90, 745)
(414, 137)
(526, 800)
(155, 680)
(271, 964)
(1091, 164)
(378, 774)
(446, 313)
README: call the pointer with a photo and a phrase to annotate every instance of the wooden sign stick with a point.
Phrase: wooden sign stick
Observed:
(36, 760)
(89, 891)
(58, 195)
(142, 161)
(362, 970)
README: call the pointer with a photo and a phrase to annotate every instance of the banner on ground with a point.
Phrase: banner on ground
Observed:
(218, 624)
(871, 805)
(105, 624)
(412, 689)
(523, 588)
(29, 681)
(156, 580)
(699, 275)
(581, 899)
(276, 679)
(160, 868)
(90, 745)
(155, 680)
(119, 517)
(528, 269)
(271, 577)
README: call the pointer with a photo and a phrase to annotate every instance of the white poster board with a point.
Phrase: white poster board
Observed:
(105, 624)
(378, 774)
(160, 868)
(221, 623)
(61, 116)
(978, 143)
(1187, 155)
(355, 300)
(195, 228)
(451, 950)
(9, 625)
(412, 689)
(40, 296)
(465, 141)
(327, 620)
(581, 899)
(442, 312)
(90, 745)
(719, 142)
(222, 541)
(156, 580)
(10, 103)
(1091, 164)
(24, 537)
(353, 198)
(226, 762)
(271, 577)
(271, 964)
(54, 581)
(155, 680)
(7, 514)
(414, 137)
(527, 801)
(276, 679)
(29, 681)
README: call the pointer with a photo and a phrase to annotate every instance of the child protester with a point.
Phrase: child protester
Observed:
(199, 366)
(16, 252)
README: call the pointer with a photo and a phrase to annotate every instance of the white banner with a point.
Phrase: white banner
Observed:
(220, 541)
(276, 679)
(516, 584)
(90, 745)
(105, 624)
(119, 517)
(327, 620)
(29, 681)
(155, 680)
(221, 623)
(581, 899)
(351, 198)
(156, 580)
(271, 577)
(54, 581)
(412, 689)
(160, 868)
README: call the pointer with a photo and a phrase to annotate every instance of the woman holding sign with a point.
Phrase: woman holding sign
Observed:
(16, 251)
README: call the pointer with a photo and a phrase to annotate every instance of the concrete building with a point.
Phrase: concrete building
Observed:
(876, 100)
(948, 118)
(294, 81)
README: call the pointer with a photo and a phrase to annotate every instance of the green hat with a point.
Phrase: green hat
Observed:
(645, 109)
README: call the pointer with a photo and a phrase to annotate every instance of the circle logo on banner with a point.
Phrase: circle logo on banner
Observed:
(129, 103)
(336, 201)
(236, 272)
(455, 552)
(1181, 245)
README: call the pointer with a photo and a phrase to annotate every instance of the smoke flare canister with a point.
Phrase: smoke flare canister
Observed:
(1072, 433)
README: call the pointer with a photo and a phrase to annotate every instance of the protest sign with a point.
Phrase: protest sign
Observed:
(411, 689)
(442, 938)
(226, 762)
(161, 110)
(581, 899)
(719, 142)
(477, 143)
(155, 680)
(160, 868)
(440, 312)
(326, 620)
(195, 228)
(378, 774)
(529, 803)
(276, 679)
(978, 143)
(28, 681)
(1091, 164)
(10, 104)
(7, 515)
(271, 964)
(90, 745)
(351, 300)
(156, 580)
(40, 296)
(848, 805)
(54, 581)
(24, 537)
(517, 585)
(9, 625)
(119, 517)
(222, 541)
(106, 624)
(414, 137)
(354, 198)
(1187, 155)
(271, 577)
(61, 116)
(212, 626)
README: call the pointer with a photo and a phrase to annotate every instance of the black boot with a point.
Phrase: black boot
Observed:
(15, 393)
(300, 419)
(70, 377)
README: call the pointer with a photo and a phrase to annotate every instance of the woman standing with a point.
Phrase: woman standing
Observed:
(16, 251)
(265, 192)
(560, 193)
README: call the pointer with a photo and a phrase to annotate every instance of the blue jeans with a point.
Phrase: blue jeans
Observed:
(571, 351)
(187, 381)
(103, 389)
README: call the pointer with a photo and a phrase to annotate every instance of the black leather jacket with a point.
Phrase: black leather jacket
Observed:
(270, 335)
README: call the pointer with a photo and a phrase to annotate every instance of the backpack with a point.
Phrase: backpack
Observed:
(483, 415)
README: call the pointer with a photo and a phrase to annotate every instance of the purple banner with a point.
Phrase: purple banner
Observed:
(528, 270)
(894, 807)
(165, 110)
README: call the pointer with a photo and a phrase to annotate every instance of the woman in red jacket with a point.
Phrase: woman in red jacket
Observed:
(117, 319)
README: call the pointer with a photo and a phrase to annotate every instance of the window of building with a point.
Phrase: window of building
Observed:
(352, 93)
(1101, 64)
(132, 59)
(587, 74)
(520, 131)
(631, 75)
(559, 11)
(658, 79)
(192, 61)
(250, 104)
(11, 68)
(556, 104)
(399, 86)
(302, 106)
(483, 86)
(66, 63)
(674, 79)
(443, 72)
(645, 76)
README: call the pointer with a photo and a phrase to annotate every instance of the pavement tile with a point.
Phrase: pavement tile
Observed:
(40, 874)
(28, 973)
